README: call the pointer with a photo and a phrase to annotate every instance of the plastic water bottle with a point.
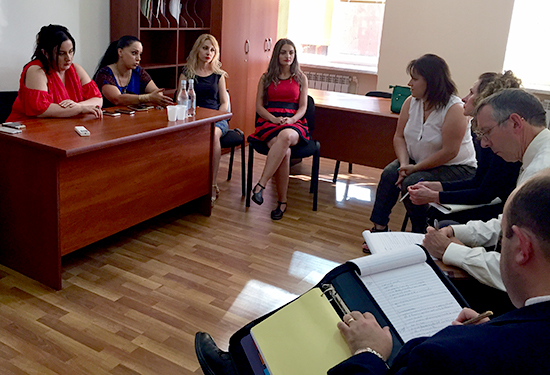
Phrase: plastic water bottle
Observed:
(192, 99)
(183, 97)
(183, 101)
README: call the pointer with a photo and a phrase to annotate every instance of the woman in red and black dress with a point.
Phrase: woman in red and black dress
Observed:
(281, 104)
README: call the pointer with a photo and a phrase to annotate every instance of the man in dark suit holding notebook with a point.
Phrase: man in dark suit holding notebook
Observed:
(514, 343)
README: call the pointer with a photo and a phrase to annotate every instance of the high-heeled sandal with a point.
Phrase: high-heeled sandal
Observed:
(277, 214)
(215, 194)
(257, 197)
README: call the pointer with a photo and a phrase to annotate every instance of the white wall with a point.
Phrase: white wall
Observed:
(470, 35)
(20, 21)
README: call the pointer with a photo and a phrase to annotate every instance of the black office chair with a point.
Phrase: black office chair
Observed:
(6, 102)
(232, 139)
(377, 94)
(311, 148)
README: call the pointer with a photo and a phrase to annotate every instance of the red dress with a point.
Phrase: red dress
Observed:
(283, 100)
(31, 103)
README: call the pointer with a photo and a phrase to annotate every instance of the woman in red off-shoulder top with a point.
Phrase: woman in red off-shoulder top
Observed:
(51, 85)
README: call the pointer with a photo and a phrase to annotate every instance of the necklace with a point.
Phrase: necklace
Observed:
(119, 78)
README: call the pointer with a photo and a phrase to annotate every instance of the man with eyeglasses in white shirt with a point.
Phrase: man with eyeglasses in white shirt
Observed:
(512, 123)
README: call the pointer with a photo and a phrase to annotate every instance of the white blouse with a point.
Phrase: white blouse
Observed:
(423, 139)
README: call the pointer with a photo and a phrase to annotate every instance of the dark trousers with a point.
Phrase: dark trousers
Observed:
(387, 193)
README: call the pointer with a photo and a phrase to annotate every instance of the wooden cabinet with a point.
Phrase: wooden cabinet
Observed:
(245, 29)
(166, 40)
(249, 31)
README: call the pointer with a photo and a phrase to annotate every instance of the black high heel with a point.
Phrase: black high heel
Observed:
(257, 197)
(277, 214)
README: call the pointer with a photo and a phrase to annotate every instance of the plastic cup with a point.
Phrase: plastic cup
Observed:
(182, 112)
(172, 112)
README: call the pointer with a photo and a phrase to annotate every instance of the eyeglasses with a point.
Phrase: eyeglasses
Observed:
(483, 135)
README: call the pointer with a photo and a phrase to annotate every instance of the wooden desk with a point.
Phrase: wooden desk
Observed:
(354, 128)
(61, 192)
(454, 273)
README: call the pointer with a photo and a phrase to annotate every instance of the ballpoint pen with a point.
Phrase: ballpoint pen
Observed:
(476, 319)
(407, 194)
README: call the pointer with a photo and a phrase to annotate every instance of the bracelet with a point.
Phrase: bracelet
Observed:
(141, 98)
(369, 350)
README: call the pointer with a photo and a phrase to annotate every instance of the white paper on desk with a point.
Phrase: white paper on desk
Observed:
(390, 241)
(408, 290)
(450, 208)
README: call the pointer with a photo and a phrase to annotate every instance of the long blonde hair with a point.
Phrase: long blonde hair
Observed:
(193, 58)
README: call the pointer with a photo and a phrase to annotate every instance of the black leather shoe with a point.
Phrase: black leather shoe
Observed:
(212, 359)
(277, 214)
(257, 197)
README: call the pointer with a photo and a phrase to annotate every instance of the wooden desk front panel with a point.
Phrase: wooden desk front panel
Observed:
(360, 138)
(60, 192)
(28, 212)
(104, 192)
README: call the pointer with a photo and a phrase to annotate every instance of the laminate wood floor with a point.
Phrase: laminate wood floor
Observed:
(131, 303)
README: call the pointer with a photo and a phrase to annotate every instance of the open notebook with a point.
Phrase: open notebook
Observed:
(390, 241)
(402, 289)
(409, 292)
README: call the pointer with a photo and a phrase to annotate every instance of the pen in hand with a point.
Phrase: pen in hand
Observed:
(407, 194)
(476, 319)
(404, 196)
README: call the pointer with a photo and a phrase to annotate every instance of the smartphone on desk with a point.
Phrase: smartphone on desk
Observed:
(112, 114)
(140, 107)
(125, 111)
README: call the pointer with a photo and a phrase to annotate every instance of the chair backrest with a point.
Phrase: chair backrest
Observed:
(310, 113)
(379, 94)
(6, 102)
(228, 102)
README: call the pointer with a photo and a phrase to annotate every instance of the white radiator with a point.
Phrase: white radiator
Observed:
(332, 82)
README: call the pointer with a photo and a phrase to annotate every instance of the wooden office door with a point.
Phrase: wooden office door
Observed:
(245, 26)
(263, 34)
(234, 57)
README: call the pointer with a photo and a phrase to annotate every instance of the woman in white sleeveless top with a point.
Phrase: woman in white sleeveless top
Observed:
(432, 141)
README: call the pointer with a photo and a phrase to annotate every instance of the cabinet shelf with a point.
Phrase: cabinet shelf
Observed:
(166, 42)
(158, 66)
(174, 28)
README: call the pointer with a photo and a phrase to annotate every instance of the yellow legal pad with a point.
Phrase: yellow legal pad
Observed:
(301, 338)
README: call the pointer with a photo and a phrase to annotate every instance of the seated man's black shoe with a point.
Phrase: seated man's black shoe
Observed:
(212, 359)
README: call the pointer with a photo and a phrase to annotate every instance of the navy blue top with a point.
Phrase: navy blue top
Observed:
(494, 178)
(513, 343)
(207, 90)
(138, 82)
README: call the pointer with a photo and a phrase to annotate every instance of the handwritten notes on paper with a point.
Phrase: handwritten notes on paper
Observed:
(408, 290)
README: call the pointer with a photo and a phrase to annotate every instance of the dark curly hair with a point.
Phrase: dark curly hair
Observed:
(48, 42)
